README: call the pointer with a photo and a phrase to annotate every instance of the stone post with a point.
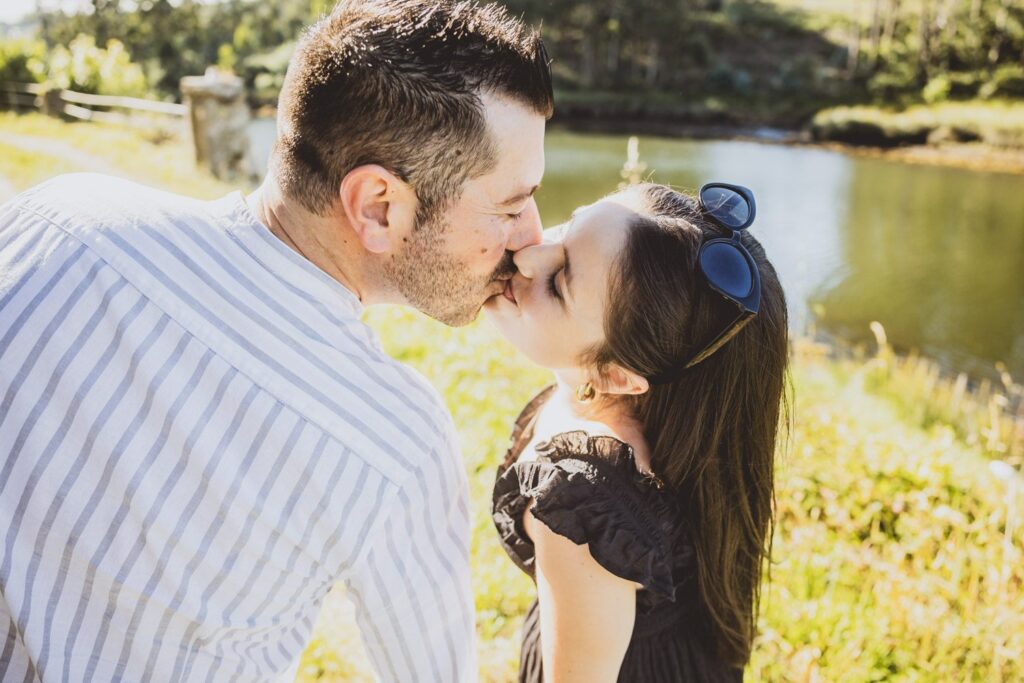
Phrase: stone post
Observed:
(51, 102)
(218, 120)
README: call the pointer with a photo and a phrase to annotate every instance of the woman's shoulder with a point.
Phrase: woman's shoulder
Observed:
(598, 474)
(577, 463)
(587, 488)
(564, 440)
(604, 458)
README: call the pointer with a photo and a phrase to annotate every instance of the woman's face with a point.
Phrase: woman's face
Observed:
(553, 308)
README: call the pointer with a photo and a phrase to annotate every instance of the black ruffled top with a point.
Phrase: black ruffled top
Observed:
(588, 489)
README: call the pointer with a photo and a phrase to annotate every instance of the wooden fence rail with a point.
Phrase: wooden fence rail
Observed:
(87, 107)
(130, 103)
(215, 115)
(20, 95)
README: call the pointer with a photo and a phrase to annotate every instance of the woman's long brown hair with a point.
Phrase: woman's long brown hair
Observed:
(713, 430)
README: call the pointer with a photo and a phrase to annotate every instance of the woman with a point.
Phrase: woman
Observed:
(638, 489)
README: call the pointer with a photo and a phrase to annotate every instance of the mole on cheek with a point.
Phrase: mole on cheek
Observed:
(484, 250)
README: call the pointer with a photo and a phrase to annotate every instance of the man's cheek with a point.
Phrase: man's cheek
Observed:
(486, 256)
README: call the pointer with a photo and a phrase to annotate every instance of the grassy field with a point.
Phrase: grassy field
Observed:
(899, 552)
(154, 158)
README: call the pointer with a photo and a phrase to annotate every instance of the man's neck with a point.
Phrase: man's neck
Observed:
(312, 237)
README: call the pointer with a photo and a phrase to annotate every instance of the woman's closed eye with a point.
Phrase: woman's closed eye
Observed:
(553, 285)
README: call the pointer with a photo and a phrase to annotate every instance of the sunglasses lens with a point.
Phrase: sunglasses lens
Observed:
(728, 206)
(726, 269)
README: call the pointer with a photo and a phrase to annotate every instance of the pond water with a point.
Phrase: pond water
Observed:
(934, 254)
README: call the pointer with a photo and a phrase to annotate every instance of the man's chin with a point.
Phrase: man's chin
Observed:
(463, 321)
(458, 313)
(459, 318)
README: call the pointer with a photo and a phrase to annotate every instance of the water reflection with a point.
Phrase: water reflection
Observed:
(936, 255)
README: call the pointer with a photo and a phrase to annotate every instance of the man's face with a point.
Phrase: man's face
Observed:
(461, 257)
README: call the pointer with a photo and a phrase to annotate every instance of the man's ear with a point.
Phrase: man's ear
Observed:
(617, 380)
(380, 207)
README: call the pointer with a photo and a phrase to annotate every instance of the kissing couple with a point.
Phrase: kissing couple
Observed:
(199, 436)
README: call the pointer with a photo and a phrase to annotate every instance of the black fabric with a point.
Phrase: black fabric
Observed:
(588, 489)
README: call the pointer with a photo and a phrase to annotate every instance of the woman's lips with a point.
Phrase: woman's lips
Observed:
(508, 292)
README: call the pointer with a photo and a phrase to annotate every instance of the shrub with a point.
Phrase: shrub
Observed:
(937, 89)
(964, 85)
(868, 127)
(798, 74)
(22, 61)
(264, 72)
(893, 82)
(85, 67)
(226, 57)
(1007, 81)
(726, 79)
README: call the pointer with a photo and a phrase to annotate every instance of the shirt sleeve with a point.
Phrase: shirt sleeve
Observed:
(412, 592)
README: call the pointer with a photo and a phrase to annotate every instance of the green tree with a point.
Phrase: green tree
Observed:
(85, 67)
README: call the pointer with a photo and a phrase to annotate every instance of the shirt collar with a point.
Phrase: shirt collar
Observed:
(285, 262)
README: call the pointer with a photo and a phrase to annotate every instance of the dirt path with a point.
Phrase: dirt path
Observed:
(61, 150)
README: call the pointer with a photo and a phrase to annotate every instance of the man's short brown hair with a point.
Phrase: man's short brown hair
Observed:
(398, 83)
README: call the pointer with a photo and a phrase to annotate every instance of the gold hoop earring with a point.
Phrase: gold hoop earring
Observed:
(585, 393)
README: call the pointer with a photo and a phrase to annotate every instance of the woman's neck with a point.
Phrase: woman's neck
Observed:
(564, 412)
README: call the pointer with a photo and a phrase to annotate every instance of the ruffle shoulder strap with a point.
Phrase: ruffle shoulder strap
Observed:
(586, 488)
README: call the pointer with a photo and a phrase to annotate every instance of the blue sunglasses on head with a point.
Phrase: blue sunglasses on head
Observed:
(727, 266)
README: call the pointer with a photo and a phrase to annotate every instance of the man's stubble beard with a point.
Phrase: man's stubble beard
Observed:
(436, 283)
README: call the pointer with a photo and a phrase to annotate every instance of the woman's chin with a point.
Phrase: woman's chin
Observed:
(492, 308)
(503, 315)
(499, 307)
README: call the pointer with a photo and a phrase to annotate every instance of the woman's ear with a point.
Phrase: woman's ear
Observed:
(617, 380)
(380, 207)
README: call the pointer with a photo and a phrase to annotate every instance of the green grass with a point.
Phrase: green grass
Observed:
(160, 157)
(895, 556)
(899, 552)
(24, 169)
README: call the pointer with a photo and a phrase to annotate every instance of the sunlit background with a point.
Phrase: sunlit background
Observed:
(884, 141)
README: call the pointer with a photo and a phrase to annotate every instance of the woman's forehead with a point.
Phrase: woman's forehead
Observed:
(594, 241)
(609, 213)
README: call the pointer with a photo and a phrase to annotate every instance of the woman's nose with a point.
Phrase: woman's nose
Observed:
(533, 261)
(555, 234)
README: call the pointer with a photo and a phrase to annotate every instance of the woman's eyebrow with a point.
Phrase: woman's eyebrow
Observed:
(566, 262)
(567, 272)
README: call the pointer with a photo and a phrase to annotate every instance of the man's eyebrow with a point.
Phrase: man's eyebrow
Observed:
(520, 196)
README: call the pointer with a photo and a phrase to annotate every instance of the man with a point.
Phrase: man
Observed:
(198, 436)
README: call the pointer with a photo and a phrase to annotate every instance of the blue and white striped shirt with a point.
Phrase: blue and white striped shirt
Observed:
(198, 437)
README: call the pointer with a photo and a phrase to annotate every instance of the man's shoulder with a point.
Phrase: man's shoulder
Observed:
(403, 422)
(419, 398)
(85, 190)
(96, 200)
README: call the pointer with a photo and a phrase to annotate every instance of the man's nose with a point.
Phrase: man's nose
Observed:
(528, 228)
